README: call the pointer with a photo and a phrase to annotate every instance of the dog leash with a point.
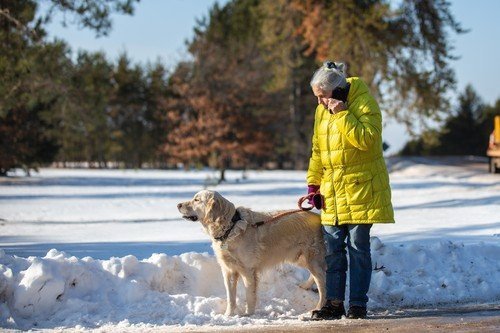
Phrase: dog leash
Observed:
(276, 217)
(316, 198)
(237, 216)
(301, 209)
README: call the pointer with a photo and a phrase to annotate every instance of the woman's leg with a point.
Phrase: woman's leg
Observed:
(360, 264)
(336, 261)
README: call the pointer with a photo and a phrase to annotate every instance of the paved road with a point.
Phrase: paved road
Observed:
(447, 320)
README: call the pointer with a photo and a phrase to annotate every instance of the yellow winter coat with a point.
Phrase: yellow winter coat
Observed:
(347, 161)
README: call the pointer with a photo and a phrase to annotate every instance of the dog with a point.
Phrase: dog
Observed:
(245, 245)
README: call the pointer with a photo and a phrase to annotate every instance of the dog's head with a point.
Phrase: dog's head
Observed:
(211, 209)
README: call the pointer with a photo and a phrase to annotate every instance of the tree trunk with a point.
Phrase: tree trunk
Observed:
(296, 119)
(222, 177)
(293, 123)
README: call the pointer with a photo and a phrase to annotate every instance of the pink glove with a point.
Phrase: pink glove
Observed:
(312, 189)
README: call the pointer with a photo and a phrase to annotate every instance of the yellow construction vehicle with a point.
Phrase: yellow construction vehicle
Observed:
(493, 151)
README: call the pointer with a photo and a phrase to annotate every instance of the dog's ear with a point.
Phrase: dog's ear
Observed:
(219, 210)
(213, 206)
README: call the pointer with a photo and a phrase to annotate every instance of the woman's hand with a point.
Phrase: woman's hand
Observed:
(334, 105)
(311, 189)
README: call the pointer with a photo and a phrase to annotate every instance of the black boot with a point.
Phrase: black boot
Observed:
(331, 310)
(356, 312)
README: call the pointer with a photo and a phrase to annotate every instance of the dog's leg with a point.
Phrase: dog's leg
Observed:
(318, 273)
(250, 280)
(231, 282)
(304, 262)
(234, 278)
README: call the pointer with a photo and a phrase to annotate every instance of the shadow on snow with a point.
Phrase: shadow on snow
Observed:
(105, 250)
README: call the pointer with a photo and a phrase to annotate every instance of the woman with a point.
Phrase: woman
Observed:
(348, 169)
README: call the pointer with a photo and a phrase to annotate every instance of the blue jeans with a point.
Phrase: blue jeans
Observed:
(360, 262)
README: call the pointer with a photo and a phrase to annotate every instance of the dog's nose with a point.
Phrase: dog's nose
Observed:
(179, 205)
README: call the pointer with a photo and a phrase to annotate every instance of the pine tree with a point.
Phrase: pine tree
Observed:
(465, 132)
(127, 113)
(86, 134)
(282, 47)
(156, 102)
(402, 51)
(218, 97)
(461, 133)
(33, 82)
(34, 88)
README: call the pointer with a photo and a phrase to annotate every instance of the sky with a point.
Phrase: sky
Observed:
(158, 31)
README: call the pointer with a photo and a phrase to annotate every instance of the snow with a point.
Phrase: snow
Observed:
(107, 249)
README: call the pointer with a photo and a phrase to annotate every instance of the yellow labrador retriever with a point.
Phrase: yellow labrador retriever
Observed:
(245, 244)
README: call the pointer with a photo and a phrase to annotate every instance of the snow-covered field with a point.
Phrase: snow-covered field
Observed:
(107, 248)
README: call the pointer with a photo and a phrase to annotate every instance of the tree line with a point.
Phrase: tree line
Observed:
(242, 99)
(466, 130)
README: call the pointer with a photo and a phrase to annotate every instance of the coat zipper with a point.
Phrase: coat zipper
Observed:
(331, 166)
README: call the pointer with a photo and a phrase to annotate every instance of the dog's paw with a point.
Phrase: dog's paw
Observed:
(248, 313)
(230, 313)
(305, 317)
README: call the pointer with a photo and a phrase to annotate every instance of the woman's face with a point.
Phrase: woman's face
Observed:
(322, 95)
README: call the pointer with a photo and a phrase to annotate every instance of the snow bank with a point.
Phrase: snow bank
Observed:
(59, 290)
(442, 273)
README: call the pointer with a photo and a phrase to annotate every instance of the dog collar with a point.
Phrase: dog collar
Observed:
(236, 218)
